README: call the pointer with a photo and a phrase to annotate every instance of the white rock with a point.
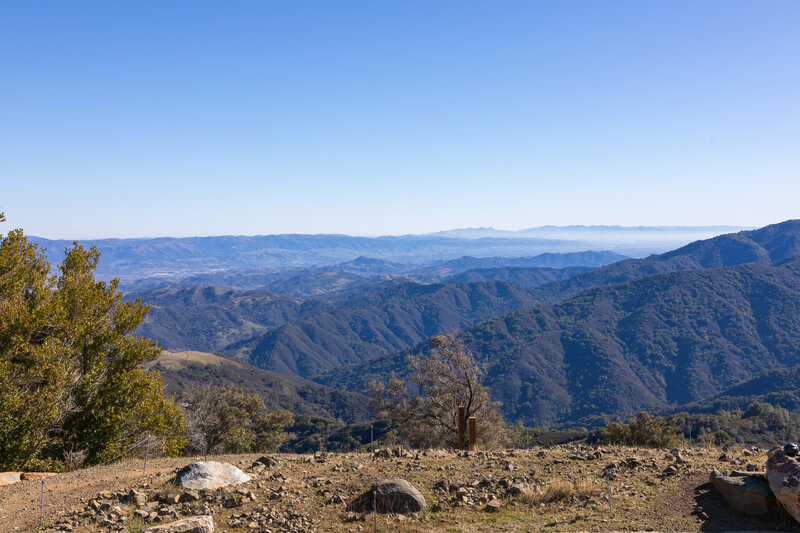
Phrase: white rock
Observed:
(195, 524)
(209, 475)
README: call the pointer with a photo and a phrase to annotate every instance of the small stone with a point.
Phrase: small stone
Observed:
(493, 506)
(189, 496)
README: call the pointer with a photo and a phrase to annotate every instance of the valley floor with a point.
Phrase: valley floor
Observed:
(542, 489)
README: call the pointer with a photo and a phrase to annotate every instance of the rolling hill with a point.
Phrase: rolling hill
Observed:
(525, 277)
(180, 370)
(216, 319)
(210, 318)
(779, 386)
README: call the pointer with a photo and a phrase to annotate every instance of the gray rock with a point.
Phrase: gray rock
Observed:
(390, 496)
(744, 494)
(267, 461)
(189, 496)
(783, 474)
(516, 489)
(195, 524)
(209, 475)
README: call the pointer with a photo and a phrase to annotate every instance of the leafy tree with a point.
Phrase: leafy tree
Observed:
(71, 376)
(447, 378)
(223, 419)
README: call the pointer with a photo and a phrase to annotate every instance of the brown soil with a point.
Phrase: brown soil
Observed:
(643, 498)
(20, 503)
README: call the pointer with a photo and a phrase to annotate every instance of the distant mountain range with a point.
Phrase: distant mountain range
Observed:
(650, 333)
(171, 259)
(633, 239)
(218, 319)
(564, 343)
(326, 281)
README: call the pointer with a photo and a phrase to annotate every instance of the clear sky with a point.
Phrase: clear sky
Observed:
(150, 118)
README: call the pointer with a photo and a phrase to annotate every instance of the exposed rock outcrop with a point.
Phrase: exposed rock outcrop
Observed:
(749, 495)
(783, 474)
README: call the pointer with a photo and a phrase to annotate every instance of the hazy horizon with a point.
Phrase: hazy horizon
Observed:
(500, 232)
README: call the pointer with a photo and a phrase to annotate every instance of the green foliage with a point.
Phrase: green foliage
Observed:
(522, 437)
(760, 424)
(721, 438)
(223, 419)
(641, 430)
(313, 433)
(71, 376)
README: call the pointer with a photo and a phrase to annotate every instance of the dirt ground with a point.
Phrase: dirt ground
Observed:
(650, 490)
(20, 503)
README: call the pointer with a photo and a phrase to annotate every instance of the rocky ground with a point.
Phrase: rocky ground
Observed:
(564, 488)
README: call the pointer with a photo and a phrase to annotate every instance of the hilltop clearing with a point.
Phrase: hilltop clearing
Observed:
(555, 489)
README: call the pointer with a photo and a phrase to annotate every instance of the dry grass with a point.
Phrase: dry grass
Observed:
(560, 491)
(588, 488)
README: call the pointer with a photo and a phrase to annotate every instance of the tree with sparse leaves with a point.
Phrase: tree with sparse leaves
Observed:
(71, 375)
(447, 377)
(223, 419)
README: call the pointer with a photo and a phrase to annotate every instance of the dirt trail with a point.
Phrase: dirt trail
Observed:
(19, 503)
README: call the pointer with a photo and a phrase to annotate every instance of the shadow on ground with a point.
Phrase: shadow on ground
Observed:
(717, 516)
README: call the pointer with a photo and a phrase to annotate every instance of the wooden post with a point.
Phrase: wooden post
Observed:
(473, 433)
(462, 427)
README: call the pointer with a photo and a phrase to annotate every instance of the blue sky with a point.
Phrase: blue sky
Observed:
(150, 118)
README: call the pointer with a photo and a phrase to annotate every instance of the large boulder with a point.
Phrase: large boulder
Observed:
(783, 474)
(744, 494)
(195, 524)
(209, 475)
(390, 496)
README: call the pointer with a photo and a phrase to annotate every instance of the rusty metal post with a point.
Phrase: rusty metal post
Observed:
(473, 433)
(462, 427)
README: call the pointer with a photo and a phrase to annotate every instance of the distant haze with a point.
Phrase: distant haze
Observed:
(135, 259)
(632, 240)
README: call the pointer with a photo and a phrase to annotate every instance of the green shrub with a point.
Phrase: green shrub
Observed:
(643, 429)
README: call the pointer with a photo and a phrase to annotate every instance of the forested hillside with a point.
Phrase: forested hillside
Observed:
(658, 341)
(180, 370)
(378, 323)
(210, 318)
